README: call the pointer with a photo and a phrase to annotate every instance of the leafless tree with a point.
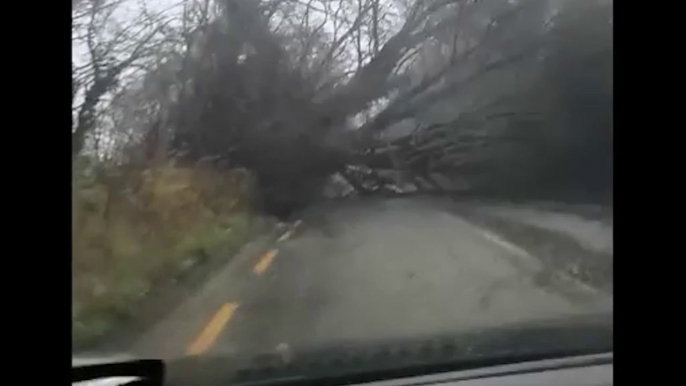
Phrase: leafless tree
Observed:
(106, 47)
(298, 90)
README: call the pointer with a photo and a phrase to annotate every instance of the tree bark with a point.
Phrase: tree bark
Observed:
(86, 118)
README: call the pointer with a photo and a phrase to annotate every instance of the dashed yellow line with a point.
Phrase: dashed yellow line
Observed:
(265, 261)
(285, 236)
(289, 233)
(210, 333)
(215, 326)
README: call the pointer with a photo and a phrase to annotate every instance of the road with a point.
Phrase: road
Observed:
(368, 270)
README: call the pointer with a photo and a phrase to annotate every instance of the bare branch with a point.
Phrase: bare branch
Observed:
(337, 44)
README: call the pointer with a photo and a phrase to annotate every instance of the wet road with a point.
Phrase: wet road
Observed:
(368, 270)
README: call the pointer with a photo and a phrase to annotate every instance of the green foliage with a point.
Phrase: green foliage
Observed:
(132, 227)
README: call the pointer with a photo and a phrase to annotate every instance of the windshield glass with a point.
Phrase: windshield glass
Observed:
(288, 176)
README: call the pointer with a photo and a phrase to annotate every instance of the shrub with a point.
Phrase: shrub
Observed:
(135, 225)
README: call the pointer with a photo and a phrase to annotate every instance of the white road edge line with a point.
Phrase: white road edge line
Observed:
(505, 244)
(519, 251)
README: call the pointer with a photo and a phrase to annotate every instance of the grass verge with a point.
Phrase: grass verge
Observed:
(137, 227)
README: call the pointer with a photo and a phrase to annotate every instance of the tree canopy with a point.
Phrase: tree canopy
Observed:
(507, 97)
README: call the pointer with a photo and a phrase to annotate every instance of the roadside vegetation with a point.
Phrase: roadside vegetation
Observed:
(135, 226)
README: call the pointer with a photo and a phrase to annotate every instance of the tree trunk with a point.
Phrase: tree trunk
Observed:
(86, 118)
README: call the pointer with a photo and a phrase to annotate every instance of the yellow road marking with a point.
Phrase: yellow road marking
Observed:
(212, 330)
(284, 236)
(265, 261)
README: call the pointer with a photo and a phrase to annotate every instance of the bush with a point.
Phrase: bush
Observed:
(133, 226)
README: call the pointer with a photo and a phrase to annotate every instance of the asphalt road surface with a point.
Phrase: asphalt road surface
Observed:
(368, 270)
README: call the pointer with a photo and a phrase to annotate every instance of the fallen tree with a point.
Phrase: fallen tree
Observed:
(300, 90)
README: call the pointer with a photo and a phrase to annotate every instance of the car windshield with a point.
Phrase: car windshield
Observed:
(290, 176)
